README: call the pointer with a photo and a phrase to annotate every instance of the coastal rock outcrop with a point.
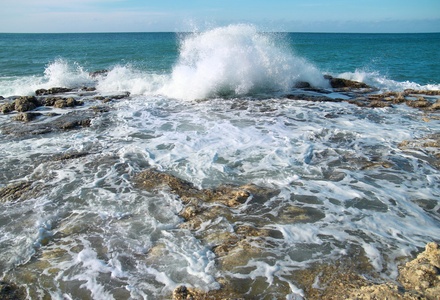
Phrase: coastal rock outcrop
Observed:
(52, 91)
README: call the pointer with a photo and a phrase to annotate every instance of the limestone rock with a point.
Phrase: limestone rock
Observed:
(10, 291)
(15, 191)
(26, 103)
(423, 273)
(52, 91)
(6, 108)
(338, 83)
(26, 117)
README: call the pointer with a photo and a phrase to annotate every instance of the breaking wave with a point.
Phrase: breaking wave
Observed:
(236, 60)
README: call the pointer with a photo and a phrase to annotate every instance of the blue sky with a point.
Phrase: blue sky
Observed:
(173, 15)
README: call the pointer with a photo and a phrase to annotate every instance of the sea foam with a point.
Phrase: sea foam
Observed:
(236, 60)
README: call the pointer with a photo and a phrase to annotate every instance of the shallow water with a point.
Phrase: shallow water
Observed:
(344, 186)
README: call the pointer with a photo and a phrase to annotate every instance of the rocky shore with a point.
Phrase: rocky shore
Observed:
(60, 109)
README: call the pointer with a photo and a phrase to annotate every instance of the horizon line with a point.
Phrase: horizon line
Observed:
(318, 32)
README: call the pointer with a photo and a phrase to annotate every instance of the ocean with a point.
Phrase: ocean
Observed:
(342, 184)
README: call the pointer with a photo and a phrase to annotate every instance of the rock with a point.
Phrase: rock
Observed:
(15, 191)
(436, 105)
(26, 117)
(62, 103)
(98, 73)
(9, 291)
(88, 89)
(419, 279)
(66, 156)
(313, 98)
(67, 121)
(423, 273)
(26, 103)
(52, 91)
(338, 83)
(420, 103)
(377, 103)
(6, 108)
(302, 85)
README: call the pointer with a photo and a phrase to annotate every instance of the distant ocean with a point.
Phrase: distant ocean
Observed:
(211, 108)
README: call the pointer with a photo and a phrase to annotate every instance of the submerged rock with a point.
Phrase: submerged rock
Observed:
(26, 117)
(418, 279)
(67, 121)
(10, 291)
(16, 191)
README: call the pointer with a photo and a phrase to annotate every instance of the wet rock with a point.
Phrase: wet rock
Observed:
(419, 103)
(52, 91)
(88, 89)
(340, 83)
(10, 291)
(16, 191)
(152, 179)
(226, 194)
(67, 156)
(423, 273)
(26, 103)
(67, 121)
(302, 85)
(312, 98)
(7, 107)
(98, 73)
(62, 103)
(186, 293)
(418, 279)
(26, 117)
(379, 104)
(436, 105)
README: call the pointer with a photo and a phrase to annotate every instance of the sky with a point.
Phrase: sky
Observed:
(47, 16)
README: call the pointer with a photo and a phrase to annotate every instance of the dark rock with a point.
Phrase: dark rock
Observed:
(88, 88)
(26, 103)
(50, 101)
(59, 102)
(313, 98)
(64, 122)
(52, 91)
(340, 83)
(67, 156)
(377, 103)
(122, 96)
(98, 73)
(302, 85)
(62, 103)
(15, 191)
(26, 116)
(6, 108)
(436, 105)
(419, 103)
(9, 291)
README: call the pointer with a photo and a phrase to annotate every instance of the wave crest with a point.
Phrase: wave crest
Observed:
(236, 60)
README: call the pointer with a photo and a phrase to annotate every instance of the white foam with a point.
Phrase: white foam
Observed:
(59, 73)
(236, 60)
(377, 80)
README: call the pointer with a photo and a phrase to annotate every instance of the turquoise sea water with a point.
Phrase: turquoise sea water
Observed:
(411, 58)
(212, 108)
